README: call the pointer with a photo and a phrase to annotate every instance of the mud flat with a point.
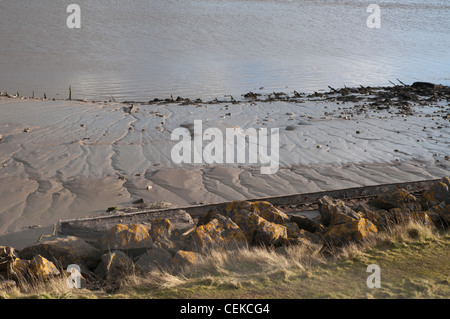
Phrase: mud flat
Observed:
(71, 159)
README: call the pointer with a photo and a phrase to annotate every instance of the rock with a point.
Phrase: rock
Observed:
(355, 230)
(154, 258)
(260, 221)
(440, 215)
(38, 268)
(305, 223)
(64, 251)
(381, 218)
(41, 268)
(18, 269)
(406, 214)
(292, 230)
(7, 255)
(269, 212)
(396, 199)
(161, 229)
(237, 207)
(333, 212)
(220, 233)
(185, 258)
(134, 239)
(209, 216)
(114, 265)
(423, 85)
(437, 193)
(307, 239)
(268, 233)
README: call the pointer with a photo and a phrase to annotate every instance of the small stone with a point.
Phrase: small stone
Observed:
(149, 188)
(27, 130)
(319, 146)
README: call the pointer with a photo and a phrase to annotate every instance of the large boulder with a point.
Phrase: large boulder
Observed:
(184, 258)
(306, 223)
(355, 230)
(220, 233)
(406, 214)
(18, 269)
(42, 268)
(114, 265)
(37, 268)
(64, 251)
(243, 218)
(161, 231)
(437, 193)
(267, 233)
(264, 209)
(396, 199)
(333, 212)
(134, 239)
(440, 215)
(269, 212)
(154, 258)
(381, 218)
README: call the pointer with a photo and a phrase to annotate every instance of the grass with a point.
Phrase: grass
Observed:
(414, 262)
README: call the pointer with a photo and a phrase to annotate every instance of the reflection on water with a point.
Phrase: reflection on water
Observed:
(209, 48)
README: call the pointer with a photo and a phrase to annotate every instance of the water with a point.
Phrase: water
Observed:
(145, 49)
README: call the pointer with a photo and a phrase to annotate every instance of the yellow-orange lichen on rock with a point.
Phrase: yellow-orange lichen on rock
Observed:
(268, 233)
(220, 233)
(185, 258)
(381, 218)
(127, 237)
(269, 212)
(356, 230)
(334, 212)
(39, 267)
(42, 268)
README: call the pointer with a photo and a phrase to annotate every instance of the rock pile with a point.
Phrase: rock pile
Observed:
(125, 249)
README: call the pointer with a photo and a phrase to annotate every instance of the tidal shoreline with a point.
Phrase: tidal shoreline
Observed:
(64, 159)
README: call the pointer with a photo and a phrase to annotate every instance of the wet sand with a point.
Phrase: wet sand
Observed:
(68, 159)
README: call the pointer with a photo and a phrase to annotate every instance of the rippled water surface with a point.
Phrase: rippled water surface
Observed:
(209, 48)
